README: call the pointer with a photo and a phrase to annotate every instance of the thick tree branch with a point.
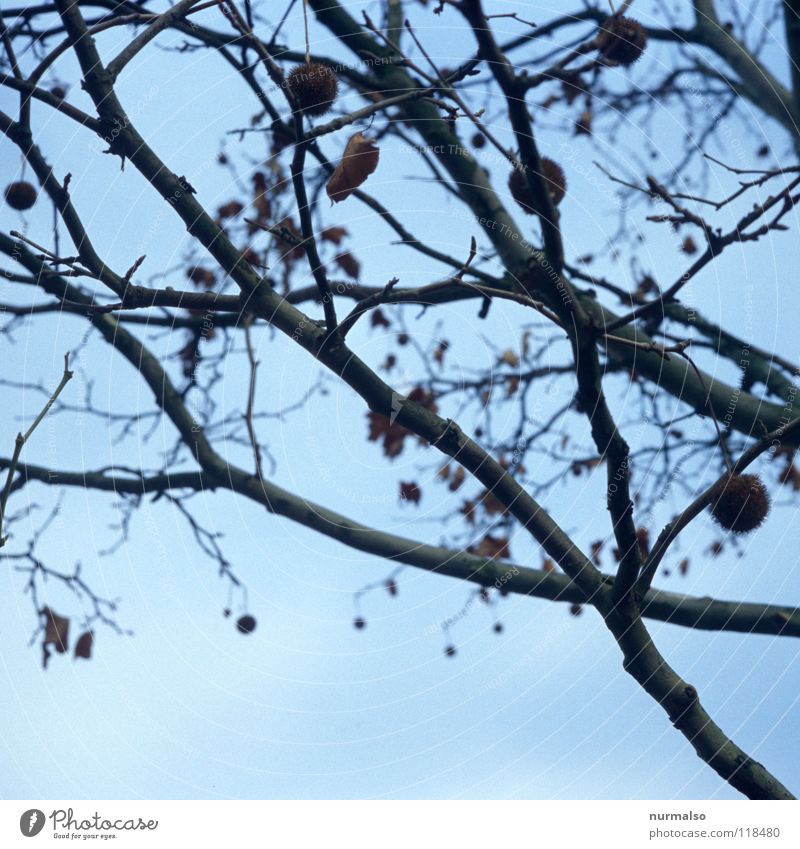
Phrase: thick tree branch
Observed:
(445, 435)
(537, 273)
(674, 376)
(706, 614)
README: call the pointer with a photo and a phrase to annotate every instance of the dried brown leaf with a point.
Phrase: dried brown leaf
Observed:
(349, 264)
(359, 160)
(83, 648)
(333, 234)
(410, 491)
(509, 358)
(457, 478)
(378, 319)
(493, 547)
(56, 630)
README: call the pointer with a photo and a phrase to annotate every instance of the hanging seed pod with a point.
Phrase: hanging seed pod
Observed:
(314, 87)
(623, 40)
(20, 195)
(554, 179)
(740, 503)
(246, 624)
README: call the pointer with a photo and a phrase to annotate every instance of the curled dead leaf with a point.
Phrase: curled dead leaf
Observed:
(378, 319)
(457, 478)
(410, 491)
(83, 648)
(333, 234)
(56, 633)
(493, 548)
(359, 160)
(509, 358)
(349, 264)
(56, 630)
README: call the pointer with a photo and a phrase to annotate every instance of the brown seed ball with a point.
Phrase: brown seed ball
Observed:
(20, 195)
(623, 40)
(554, 179)
(359, 623)
(314, 87)
(740, 503)
(246, 624)
(450, 651)
(479, 140)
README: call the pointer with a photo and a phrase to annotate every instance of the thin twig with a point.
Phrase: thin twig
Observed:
(166, 19)
(305, 27)
(22, 438)
(650, 347)
(251, 395)
(710, 408)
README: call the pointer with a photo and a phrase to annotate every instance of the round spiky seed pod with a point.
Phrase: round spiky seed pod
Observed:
(314, 87)
(740, 503)
(623, 40)
(20, 195)
(554, 179)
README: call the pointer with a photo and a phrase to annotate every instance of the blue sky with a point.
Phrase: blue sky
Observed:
(306, 706)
